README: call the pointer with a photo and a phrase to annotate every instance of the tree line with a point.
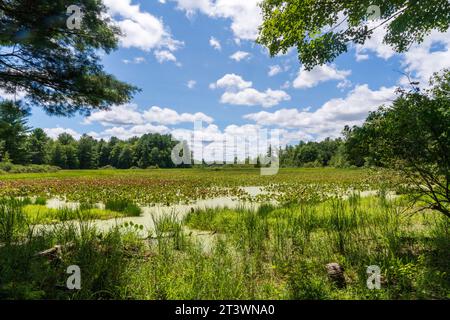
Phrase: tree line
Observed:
(21, 145)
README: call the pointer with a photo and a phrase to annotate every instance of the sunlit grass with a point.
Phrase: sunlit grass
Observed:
(40, 214)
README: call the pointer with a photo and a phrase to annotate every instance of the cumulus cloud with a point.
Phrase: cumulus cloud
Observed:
(420, 61)
(191, 84)
(134, 131)
(164, 56)
(249, 140)
(169, 117)
(240, 92)
(253, 97)
(231, 81)
(310, 79)
(55, 132)
(140, 29)
(431, 56)
(274, 70)
(245, 15)
(126, 114)
(213, 42)
(375, 44)
(129, 115)
(330, 118)
(239, 55)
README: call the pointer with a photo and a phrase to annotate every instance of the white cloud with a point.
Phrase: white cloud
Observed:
(375, 44)
(310, 79)
(129, 115)
(169, 117)
(141, 29)
(213, 42)
(361, 57)
(286, 85)
(253, 97)
(274, 70)
(55, 132)
(420, 61)
(240, 92)
(231, 81)
(134, 131)
(191, 84)
(126, 114)
(239, 55)
(213, 144)
(245, 15)
(136, 60)
(164, 56)
(432, 55)
(330, 118)
(345, 84)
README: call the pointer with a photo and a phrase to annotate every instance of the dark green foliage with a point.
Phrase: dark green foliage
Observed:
(13, 130)
(87, 152)
(31, 168)
(59, 69)
(38, 147)
(154, 149)
(123, 205)
(413, 136)
(311, 154)
(313, 26)
(64, 153)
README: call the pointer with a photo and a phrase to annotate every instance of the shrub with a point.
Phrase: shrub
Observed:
(108, 167)
(123, 205)
(32, 168)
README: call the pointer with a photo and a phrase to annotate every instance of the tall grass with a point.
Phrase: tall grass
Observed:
(12, 220)
(123, 205)
(275, 252)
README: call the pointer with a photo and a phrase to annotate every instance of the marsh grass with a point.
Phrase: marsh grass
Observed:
(128, 207)
(12, 220)
(276, 252)
(38, 214)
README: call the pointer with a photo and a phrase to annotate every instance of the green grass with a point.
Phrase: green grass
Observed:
(129, 208)
(170, 186)
(275, 252)
(40, 214)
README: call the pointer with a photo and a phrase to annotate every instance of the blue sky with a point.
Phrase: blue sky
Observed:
(180, 53)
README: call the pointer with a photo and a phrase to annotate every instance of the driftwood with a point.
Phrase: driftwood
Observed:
(172, 235)
(54, 253)
(336, 274)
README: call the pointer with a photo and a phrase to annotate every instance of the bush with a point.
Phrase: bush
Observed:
(40, 201)
(108, 167)
(9, 167)
(123, 205)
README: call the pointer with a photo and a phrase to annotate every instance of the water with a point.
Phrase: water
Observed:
(180, 210)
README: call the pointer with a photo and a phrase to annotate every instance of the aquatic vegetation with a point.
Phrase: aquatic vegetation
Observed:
(151, 187)
(128, 207)
(278, 249)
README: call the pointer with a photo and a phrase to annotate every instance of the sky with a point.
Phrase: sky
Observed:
(196, 60)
